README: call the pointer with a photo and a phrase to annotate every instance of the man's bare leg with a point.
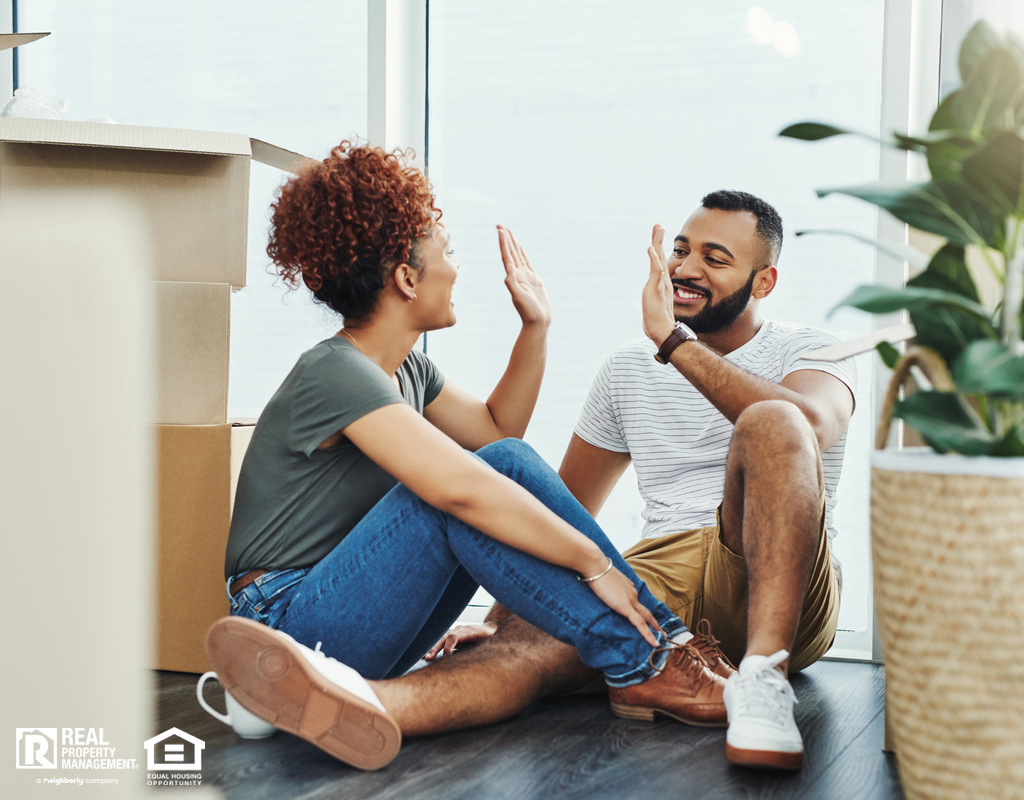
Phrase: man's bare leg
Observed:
(493, 681)
(771, 516)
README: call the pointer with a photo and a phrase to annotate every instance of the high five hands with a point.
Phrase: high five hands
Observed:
(656, 302)
(527, 289)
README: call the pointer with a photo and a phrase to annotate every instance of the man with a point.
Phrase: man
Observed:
(725, 427)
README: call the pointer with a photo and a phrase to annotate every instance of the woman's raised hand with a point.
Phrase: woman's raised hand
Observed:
(527, 289)
(619, 594)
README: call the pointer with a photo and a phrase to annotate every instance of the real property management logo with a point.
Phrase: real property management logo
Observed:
(67, 748)
(37, 748)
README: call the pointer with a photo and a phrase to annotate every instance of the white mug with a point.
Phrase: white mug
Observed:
(246, 724)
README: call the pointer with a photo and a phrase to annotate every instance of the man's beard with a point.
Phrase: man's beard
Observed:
(715, 317)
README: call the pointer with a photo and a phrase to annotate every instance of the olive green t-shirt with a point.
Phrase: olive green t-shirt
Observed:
(295, 503)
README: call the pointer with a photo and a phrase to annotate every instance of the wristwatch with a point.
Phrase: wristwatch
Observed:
(681, 333)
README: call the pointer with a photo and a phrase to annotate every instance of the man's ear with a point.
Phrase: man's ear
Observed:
(765, 281)
(405, 279)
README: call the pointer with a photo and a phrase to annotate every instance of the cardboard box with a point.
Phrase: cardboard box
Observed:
(197, 470)
(193, 349)
(9, 40)
(193, 186)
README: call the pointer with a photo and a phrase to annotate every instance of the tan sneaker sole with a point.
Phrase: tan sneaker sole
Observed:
(270, 677)
(766, 759)
(647, 713)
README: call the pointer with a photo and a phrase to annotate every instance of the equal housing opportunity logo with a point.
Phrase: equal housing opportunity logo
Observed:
(174, 758)
(174, 750)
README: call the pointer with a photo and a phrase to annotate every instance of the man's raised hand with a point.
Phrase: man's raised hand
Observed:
(657, 296)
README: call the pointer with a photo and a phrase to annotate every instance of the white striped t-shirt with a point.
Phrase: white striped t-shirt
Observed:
(677, 439)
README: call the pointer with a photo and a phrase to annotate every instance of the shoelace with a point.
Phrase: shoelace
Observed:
(322, 656)
(696, 668)
(345, 676)
(706, 644)
(318, 652)
(766, 693)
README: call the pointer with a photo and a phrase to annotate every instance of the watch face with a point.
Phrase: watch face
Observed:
(679, 335)
(687, 332)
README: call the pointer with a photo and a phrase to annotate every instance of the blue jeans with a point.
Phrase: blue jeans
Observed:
(402, 576)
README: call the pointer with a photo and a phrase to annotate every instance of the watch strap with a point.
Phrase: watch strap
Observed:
(672, 341)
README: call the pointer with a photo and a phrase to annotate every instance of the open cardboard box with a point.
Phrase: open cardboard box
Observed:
(192, 186)
(197, 472)
(9, 40)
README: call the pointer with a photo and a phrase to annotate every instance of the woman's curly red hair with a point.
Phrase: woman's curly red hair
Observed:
(346, 223)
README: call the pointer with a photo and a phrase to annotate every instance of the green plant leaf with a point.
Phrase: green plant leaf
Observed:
(946, 422)
(812, 131)
(997, 172)
(944, 208)
(904, 252)
(980, 40)
(944, 160)
(884, 300)
(935, 137)
(948, 271)
(989, 367)
(890, 355)
(944, 148)
(989, 97)
(953, 140)
(943, 328)
(948, 330)
(1011, 445)
(947, 117)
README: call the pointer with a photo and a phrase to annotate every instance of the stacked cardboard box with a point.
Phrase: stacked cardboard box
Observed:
(192, 188)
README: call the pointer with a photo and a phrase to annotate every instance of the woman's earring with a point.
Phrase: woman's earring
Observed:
(413, 298)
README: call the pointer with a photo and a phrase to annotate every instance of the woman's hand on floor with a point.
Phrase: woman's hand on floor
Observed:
(460, 635)
(619, 594)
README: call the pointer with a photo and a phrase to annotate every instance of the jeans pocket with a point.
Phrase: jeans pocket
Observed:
(243, 606)
(266, 599)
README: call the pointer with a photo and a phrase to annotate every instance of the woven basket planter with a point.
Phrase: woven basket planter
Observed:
(947, 539)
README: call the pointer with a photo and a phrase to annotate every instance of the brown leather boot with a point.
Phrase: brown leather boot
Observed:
(707, 646)
(684, 689)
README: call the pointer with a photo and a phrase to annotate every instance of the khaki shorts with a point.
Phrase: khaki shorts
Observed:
(698, 577)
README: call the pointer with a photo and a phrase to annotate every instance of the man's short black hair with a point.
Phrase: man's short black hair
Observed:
(769, 223)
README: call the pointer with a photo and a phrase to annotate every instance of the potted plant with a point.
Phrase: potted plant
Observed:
(947, 524)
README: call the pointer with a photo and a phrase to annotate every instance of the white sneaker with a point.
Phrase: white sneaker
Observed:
(759, 702)
(303, 691)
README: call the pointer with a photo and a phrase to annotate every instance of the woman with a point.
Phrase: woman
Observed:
(362, 525)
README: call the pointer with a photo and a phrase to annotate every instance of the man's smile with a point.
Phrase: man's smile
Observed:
(686, 295)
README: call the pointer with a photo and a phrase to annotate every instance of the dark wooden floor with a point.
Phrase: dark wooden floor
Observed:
(569, 747)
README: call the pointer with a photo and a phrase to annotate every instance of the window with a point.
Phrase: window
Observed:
(580, 125)
(291, 74)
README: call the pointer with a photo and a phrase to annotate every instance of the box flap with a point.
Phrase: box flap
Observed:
(274, 156)
(9, 40)
(129, 137)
